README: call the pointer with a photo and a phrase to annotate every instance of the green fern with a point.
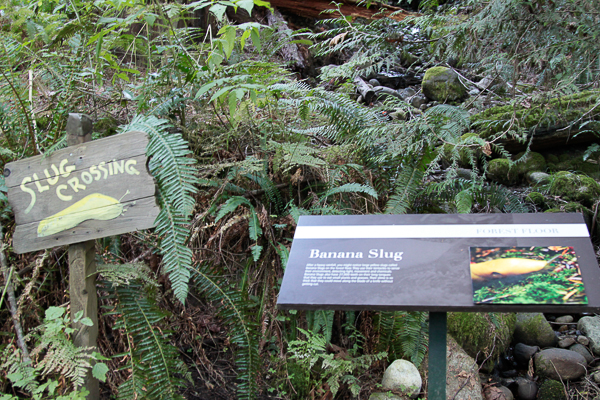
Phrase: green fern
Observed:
(152, 361)
(175, 175)
(403, 334)
(406, 189)
(234, 309)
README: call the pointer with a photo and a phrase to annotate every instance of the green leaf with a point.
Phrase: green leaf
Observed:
(86, 321)
(229, 39)
(351, 188)
(218, 10)
(53, 313)
(246, 5)
(255, 36)
(230, 206)
(245, 36)
(256, 250)
(99, 371)
(254, 225)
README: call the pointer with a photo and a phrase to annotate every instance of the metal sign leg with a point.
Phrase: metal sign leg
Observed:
(437, 356)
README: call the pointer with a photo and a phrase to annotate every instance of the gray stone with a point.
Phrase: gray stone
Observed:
(527, 389)
(442, 84)
(590, 326)
(474, 92)
(406, 93)
(523, 353)
(583, 340)
(566, 342)
(385, 396)
(565, 319)
(537, 177)
(462, 373)
(552, 390)
(581, 349)
(485, 83)
(498, 393)
(596, 376)
(374, 82)
(417, 101)
(402, 376)
(560, 364)
(534, 330)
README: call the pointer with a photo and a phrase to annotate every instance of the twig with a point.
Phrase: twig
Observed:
(39, 263)
(12, 302)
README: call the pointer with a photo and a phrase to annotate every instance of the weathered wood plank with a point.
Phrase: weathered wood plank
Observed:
(82, 156)
(49, 198)
(82, 293)
(139, 214)
(350, 8)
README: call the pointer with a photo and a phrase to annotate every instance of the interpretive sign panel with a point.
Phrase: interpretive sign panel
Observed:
(87, 191)
(460, 262)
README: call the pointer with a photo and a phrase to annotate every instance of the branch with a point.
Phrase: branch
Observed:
(13, 302)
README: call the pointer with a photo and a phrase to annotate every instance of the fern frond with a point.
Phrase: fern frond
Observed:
(234, 310)
(403, 334)
(175, 176)
(153, 361)
(405, 191)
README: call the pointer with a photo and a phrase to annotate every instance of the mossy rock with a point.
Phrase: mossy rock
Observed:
(575, 187)
(552, 158)
(536, 198)
(532, 161)
(539, 115)
(499, 170)
(478, 334)
(442, 84)
(551, 390)
(467, 146)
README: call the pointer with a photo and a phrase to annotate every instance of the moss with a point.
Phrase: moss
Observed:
(478, 334)
(467, 146)
(551, 390)
(442, 84)
(536, 198)
(552, 158)
(531, 162)
(574, 187)
(499, 171)
(556, 112)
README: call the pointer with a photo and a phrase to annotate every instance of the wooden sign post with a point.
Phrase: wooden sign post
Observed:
(90, 190)
(439, 263)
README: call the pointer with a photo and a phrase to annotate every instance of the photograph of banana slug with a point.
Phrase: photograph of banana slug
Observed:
(526, 275)
(94, 206)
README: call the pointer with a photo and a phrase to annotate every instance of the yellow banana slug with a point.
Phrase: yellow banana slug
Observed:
(504, 267)
(95, 206)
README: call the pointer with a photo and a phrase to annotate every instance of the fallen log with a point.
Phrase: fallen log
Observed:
(364, 89)
(349, 8)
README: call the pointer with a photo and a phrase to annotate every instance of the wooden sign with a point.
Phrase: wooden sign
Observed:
(87, 191)
(441, 262)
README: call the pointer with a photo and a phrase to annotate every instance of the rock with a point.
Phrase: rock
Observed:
(403, 376)
(498, 393)
(590, 327)
(574, 187)
(523, 353)
(417, 101)
(536, 197)
(499, 171)
(406, 93)
(485, 83)
(442, 84)
(477, 334)
(596, 376)
(374, 82)
(552, 390)
(527, 389)
(398, 114)
(385, 396)
(474, 92)
(533, 329)
(537, 178)
(560, 364)
(566, 342)
(462, 376)
(565, 319)
(528, 162)
(581, 349)
(583, 340)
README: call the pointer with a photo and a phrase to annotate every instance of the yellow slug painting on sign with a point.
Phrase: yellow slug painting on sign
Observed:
(94, 206)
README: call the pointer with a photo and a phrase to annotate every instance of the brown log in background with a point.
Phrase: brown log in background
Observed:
(314, 9)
